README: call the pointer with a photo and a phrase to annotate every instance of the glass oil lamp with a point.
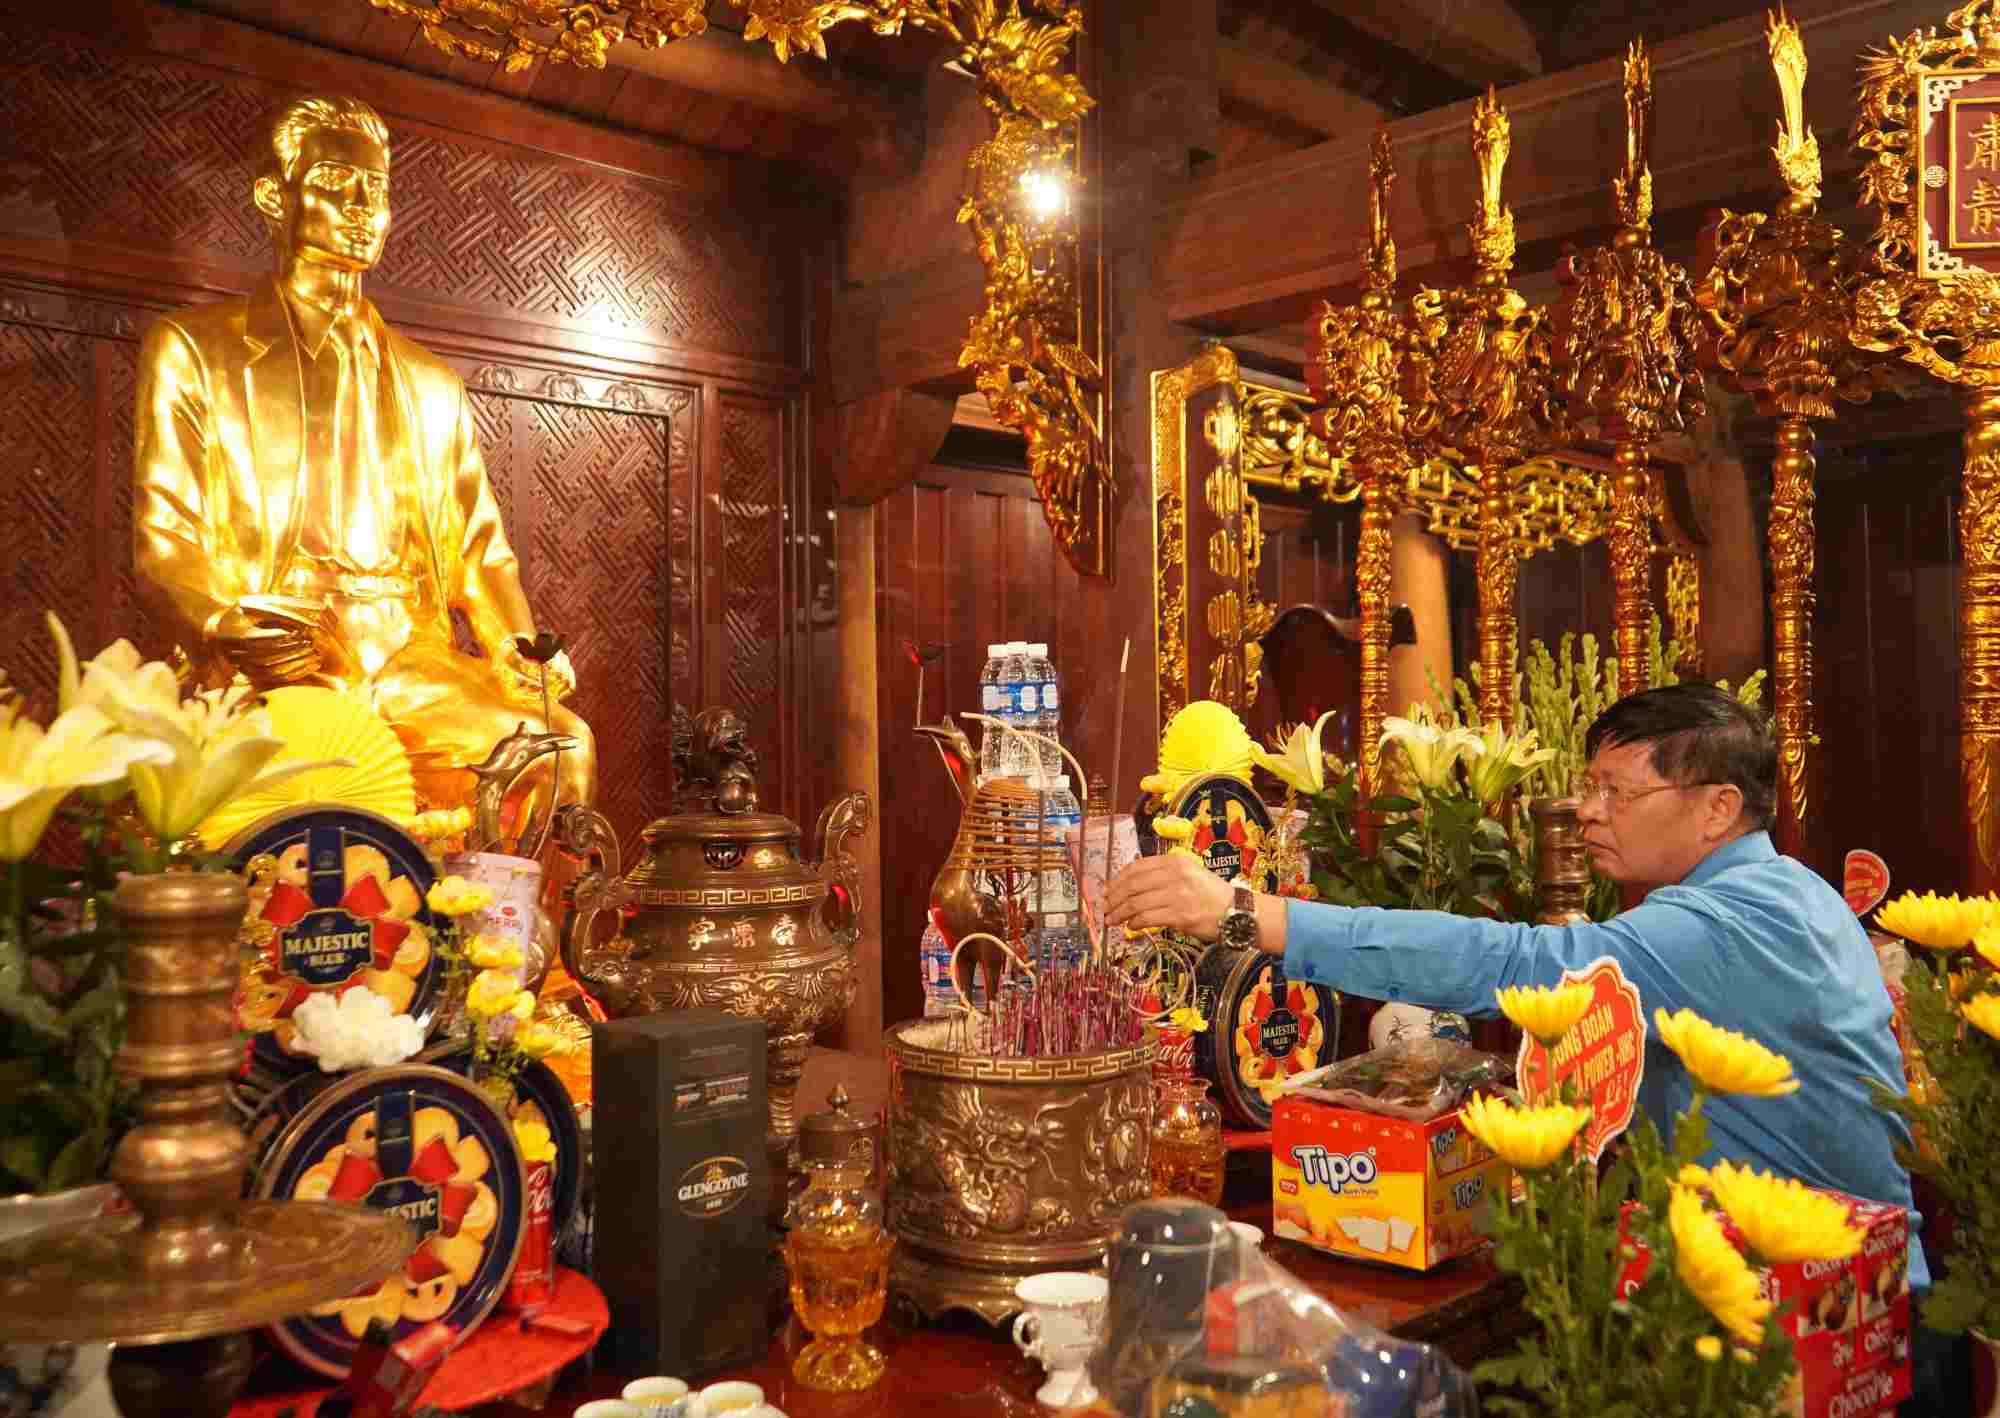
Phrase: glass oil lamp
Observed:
(838, 1258)
(1187, 1152)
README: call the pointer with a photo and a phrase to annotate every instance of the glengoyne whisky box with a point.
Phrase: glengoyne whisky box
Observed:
(682, 1181)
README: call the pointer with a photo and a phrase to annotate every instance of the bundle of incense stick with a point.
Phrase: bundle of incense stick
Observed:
(1081, 1008)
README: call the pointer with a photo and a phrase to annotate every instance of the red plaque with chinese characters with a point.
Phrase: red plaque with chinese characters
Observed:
(1957, 178)
(1605, 1053)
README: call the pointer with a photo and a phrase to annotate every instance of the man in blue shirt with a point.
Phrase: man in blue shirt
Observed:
(1680, 791)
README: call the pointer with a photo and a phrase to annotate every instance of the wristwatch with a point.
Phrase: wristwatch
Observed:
(1239, 922)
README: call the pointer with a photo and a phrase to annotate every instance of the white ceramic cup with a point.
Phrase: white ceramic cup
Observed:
(1250, 1237)
(1060, 1323)
(655, 1394)
(610, 1408)
(729, 1397)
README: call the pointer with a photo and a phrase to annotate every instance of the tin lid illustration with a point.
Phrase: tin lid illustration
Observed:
(429, 1146)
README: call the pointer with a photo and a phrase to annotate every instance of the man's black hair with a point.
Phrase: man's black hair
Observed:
(1699, 734)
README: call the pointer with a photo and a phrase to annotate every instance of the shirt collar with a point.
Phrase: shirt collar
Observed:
(1747, 850)
(314, 324)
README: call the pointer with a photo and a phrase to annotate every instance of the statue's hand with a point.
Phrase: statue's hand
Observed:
(527, 674)
(276, 640)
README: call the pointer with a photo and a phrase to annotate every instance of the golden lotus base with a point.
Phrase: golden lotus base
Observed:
(268, 1261)
(931, 1287)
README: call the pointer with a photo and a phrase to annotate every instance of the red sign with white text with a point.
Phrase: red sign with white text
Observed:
(1864, 881)
(1604, 1054)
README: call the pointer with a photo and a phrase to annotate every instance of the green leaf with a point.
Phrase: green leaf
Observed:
(78, 1163)
(1955, 1303)
(20, 1155)
(1394, 804)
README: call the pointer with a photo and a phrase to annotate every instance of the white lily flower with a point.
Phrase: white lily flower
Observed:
(40, 767)
(1497, 764)
(1299, 764)
(1430, 750)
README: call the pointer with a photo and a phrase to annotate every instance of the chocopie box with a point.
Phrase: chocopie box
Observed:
(1357, 1184)
(1849, 1320)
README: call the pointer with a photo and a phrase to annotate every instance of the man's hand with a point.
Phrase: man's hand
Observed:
(276, 640)
(1175, 892)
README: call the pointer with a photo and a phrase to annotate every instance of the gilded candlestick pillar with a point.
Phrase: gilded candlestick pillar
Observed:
(1791, 547)
(1499, 578)
(1371, 580)
(1631, 564)
(1979, 637)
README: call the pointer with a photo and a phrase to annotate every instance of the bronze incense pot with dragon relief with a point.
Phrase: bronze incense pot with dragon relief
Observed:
(723, 911)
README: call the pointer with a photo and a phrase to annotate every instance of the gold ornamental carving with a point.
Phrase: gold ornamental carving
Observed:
(1034, 354)
(1777, 294)
(309, 501)
(1488, 398)
(999, 1168)
(1207, 539)
(1931, 296)
(1366, 358)
(1625, 350)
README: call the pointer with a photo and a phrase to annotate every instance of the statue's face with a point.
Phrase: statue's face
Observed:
(339, 199)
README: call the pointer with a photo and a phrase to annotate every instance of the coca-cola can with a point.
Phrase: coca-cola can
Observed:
(533, 1285)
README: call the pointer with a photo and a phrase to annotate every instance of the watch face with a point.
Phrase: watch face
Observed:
(1239, 928)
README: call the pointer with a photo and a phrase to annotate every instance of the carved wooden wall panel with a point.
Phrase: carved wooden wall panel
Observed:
(126, 151)
(631, 348)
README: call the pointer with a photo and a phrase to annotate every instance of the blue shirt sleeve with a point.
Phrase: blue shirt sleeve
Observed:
(1456, 962)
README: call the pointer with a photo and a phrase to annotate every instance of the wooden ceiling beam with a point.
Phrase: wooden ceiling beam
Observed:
(1222, 270)
(1254, 80)
(1483, 43)
(724, 65)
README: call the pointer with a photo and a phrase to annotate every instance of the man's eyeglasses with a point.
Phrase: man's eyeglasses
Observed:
(1614, 797)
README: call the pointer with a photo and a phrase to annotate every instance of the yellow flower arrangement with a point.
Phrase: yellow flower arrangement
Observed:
(1781, 1220)
(1713, 1270)
(40, 767)
(1983, 1013)
(538, 1041)
(535, 1143)
(1708, 1347)
(1546, 1013)
(455, 896)
(1188, 1020)
(1938, 922)
(1431, 750)
(1723, 1061)
(494, 993)
(1298, 762)
(489, 952)
(1986, 940)
(1693, 1175)
(1527, 1138)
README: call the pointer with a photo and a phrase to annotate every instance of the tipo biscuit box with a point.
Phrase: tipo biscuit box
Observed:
(1849, 1320)
(1381, 1189)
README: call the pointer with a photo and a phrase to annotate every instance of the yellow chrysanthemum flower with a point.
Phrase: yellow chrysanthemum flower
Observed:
(495, 992)
(1547, 1013)
(1986, 940)
(1188, 1020)
(491, 952)
(1983, 1012)
(1693, 1175)
(1723, 1061)
(1709, 1347)
(1527, 1138)
(535, 1143)
(1714, 1271)
(1938, 922)
(1781, 1220)
(455, 896)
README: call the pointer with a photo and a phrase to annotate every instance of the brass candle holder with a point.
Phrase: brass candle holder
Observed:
(194, 1266)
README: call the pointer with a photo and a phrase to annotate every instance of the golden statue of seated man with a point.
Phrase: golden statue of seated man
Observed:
(310, 502)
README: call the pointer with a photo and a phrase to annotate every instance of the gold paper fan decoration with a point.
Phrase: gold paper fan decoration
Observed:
(325, 723)
(1204, 738)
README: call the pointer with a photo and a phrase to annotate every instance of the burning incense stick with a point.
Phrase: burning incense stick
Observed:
(1111, 806)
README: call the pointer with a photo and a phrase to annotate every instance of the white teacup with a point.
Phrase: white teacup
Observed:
(729, 1397)
(656, 1395)
(1060, 1325)
(609, 1408)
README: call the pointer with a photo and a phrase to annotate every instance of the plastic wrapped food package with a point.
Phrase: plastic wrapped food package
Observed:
(1202, 1324)
(1416, 1079)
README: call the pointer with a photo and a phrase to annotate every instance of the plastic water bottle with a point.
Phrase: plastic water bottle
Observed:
(1060, 896)
(934, 956)
(1048, 721)
(992, 700)
(1022, 709)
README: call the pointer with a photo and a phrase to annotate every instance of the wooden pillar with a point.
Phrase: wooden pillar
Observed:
(1420, 578)
(1499, 580)
(1631, 563)
(854, 733)
(1373, 556)
(1979, 638)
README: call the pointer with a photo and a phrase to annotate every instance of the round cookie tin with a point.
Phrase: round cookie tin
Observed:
(423, 1143)
(539, 1097)
(337, 902)
(1262, 1029)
